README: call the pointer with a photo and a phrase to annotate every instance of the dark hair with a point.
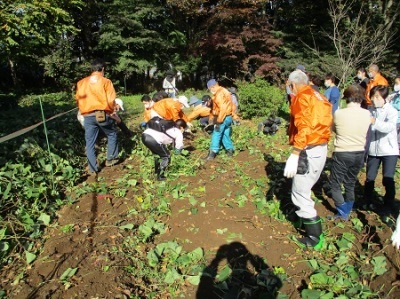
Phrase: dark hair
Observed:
(205, 98)
(331, 76)
(97, 66)
(157, 96)
(180, 123)
(363, 70)
(316, 80)
(354, 94)
(145, 98)
(383, 91)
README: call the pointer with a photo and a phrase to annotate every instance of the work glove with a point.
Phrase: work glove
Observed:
(177, 151)
(291, 166)
(217, 127)
(396, 235)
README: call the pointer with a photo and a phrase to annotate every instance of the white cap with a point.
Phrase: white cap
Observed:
(119, 102)
(184, 101)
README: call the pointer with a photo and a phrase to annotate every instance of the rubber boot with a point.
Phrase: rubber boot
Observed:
(211, 156)
(390, 193)
(161, 174)
(230, 152)
(344, 210)
(314, 236)
(369, 190)
(159, 171)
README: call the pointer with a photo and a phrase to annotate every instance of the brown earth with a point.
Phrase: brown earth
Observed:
(86, 235)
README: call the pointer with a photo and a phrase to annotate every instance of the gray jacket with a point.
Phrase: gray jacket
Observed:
(383, 132)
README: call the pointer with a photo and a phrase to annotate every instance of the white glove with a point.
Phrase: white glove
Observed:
(396, 235)
(291, 166)
(190, 125)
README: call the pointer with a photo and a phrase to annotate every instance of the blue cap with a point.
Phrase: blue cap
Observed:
(210, 83)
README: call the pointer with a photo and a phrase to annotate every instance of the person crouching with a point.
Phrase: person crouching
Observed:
(157, 143)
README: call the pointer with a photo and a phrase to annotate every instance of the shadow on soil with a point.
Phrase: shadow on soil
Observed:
(247, 276)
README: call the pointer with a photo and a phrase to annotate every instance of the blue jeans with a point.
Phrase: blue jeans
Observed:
(92, 128)
(344, 170)
(224, 136)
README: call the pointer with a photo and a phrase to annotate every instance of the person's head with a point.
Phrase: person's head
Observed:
(373, 70)
(297, 80)
(354, 94)
(330, 80)
(181, 124)
(314, 80)
(378, 95)
(98, 66)
(147, 101)
(194, 101)
(212, 86)
(301, 67)
(206, 99)
(396, 86)
(157, 96)
(361, 73)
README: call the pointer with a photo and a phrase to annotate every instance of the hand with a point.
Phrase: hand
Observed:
(396, 235)
(115, 117)
(143, 124)
(177, 151)
(217, 127)
(291, 166)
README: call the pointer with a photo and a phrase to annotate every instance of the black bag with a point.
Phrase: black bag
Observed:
(302, 167)
(159, 124)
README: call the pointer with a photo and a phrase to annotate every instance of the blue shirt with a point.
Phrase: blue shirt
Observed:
(333, 95)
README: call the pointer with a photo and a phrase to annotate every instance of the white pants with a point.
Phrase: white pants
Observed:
(302, 183)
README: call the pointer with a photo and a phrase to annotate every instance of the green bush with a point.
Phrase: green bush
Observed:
(259, 99)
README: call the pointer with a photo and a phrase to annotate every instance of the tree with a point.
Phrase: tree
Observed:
(30, 28)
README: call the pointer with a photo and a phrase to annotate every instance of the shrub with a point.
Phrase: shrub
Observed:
(259, 99)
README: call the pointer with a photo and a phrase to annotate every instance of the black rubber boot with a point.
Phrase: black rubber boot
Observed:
(160, 175)
(369, 190)
(314, 236)
(211, 156)
(390, 191)
(159, 171)
(230, 152)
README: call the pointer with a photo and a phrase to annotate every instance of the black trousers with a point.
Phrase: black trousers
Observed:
(160, 151)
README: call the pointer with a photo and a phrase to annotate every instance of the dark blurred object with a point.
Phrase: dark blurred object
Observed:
(269, 126)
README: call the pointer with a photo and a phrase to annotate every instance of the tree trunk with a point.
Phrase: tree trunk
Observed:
(13, 74)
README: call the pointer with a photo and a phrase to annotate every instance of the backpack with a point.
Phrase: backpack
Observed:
(161, 125)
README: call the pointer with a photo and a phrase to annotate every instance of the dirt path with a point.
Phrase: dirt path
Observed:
(221, 209)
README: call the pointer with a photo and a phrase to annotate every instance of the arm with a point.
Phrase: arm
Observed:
(302, 121)
(387, 124)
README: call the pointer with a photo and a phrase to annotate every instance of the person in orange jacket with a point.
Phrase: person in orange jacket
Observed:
(309, 133)
(168, 109)
(222, 110)
(201, 109)
(376, 79)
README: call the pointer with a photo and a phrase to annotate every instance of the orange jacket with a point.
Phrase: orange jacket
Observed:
(199, 111)
(147, 115)
(169, 109)
(95, 92)
(377, 80)
(222, 104)
(310, 118)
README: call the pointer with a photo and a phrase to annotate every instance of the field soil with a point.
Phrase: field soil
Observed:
(85, 235)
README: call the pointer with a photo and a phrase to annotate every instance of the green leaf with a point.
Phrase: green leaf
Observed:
(30, 257)
(68, 273)
(44, 218)
(311, 294)
(379, 263)
(127, 226)
(193, 280)
(171, 276)
(224, 273)
(319, 279)
(152, 258)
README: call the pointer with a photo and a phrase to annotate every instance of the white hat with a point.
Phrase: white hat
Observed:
(119, 102)
(184, 101)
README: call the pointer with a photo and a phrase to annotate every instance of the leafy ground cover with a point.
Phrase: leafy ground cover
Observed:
(213, 230)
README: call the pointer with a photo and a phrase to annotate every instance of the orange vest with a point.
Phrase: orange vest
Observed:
(222, 104)
(310, 118)
(169, 109)
(377, 80)
(95, 93)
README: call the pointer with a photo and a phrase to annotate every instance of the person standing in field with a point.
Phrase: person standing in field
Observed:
(376, 79)
(332, 92)
(95, 96)
(309, 133)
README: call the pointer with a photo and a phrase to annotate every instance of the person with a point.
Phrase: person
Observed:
(315, 82)
(309, 133)
(169, 84)
(376, 79)
(350, 126)
(222, 109)
(235, 101)
(332, 92)
(362, 77)
(394, 99)
(201, 110)
(157, 143)
(168, 109)
(383, 148)
(289, 94)
(95, 96)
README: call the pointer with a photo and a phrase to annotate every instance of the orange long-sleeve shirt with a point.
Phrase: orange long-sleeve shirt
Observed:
(199, 111)
(95, 92)
(377, 80)
(222, 104)
(169, 109)
(310, 118)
